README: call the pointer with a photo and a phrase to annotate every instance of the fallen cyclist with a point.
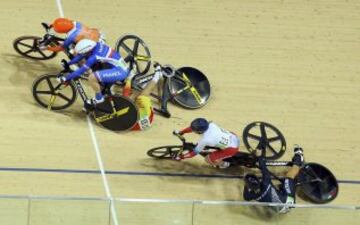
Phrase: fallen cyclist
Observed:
(263, 190)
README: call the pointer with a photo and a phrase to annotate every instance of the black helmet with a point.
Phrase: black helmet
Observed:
(199, 125)
(252, 182)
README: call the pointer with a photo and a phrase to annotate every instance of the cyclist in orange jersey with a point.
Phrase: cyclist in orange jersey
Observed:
(75, 32)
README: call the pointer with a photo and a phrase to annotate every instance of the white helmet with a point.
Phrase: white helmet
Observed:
(84, 46)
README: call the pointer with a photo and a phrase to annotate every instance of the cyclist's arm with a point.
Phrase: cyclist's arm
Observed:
(186, 130)
(57, 48)
(72, 37)
(90, 62)
(193, 152)
(200, 146)
(76, 59)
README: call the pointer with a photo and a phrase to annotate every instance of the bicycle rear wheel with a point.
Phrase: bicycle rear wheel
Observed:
(49, 93)
(27, 46)
(116, 113)
(133, 45)
(190, 88)
(317, 183)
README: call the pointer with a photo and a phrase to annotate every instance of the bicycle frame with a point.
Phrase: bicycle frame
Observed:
(267, 162)
(140, 80)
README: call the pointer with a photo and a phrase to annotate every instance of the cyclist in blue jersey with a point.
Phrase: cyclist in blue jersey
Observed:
(90, 53)
(263, 190)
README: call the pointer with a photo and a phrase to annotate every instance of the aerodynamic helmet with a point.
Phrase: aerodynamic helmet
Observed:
(199, 125)
(84, 46)
(62, 25)
(252, 182)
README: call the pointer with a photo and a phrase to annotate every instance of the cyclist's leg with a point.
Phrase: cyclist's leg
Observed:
(106, 76)
(94, 83)
(216, 158)
(152, 84)
(293, 172)
(146, 113)
(297, 160)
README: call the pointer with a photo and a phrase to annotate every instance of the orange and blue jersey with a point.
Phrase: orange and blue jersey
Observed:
(80, 32)
(75, 35)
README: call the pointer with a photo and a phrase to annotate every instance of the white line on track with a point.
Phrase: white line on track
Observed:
(97, 151)
(59, 5)
(102, 171)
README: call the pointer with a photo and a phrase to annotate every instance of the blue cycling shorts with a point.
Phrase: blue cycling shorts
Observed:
(111, 75)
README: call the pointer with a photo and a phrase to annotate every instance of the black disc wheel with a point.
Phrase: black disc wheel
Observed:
(51, 94)
(189, 87)
(27, 46)
(166, 152)
(116, 113)
(266, 137)
(317, 183)
(132, 45)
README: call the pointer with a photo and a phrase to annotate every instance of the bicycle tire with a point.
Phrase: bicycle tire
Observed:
(50, 79)
(32, 48)
(126, 117)
(142, 55)
(195, 96)
(263, 141)
(166, 152)
(317, 183)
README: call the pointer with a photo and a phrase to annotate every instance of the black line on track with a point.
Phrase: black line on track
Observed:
(137, 173)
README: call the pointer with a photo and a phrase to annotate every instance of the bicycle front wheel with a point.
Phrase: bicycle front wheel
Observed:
(317, 183)
(190, 88)
(165, 152)
(27, 46)
(50, 94)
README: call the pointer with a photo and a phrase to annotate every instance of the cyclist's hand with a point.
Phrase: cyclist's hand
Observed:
(189, 146)
(157, 67)
(65, 64)
(43, 47)
(178, 157)
(61, 79)
(177, 133)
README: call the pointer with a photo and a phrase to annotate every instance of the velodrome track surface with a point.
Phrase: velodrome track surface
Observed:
(293, 64)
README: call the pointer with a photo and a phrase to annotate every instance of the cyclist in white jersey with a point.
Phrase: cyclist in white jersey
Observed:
(213, 136)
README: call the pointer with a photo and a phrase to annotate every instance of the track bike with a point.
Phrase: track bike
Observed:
(186, 86)
(34, 47)
(116, 113)
(315, 181)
